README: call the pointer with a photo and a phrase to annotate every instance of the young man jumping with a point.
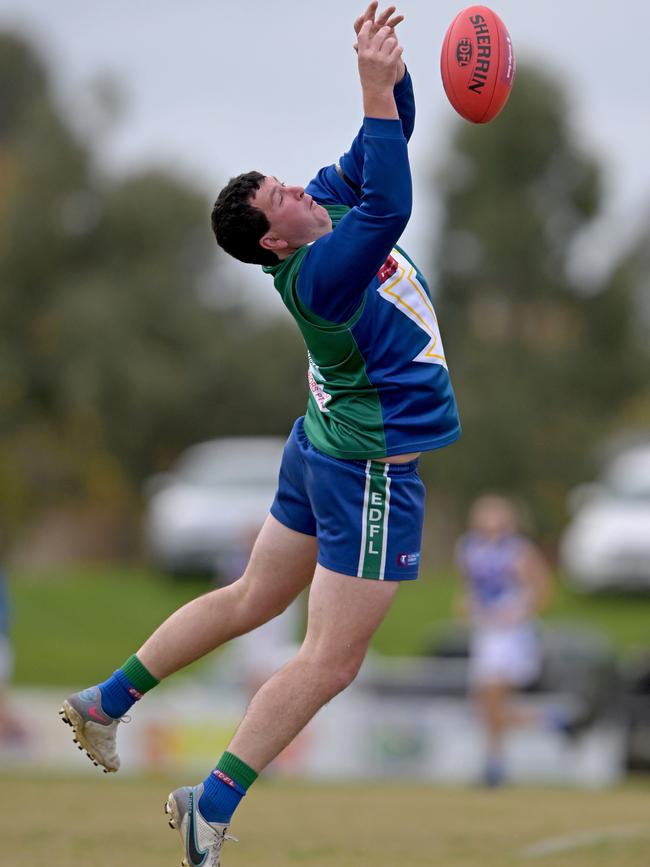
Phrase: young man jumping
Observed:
(347, 516)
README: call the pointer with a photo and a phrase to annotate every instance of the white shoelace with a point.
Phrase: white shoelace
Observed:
(221, 839)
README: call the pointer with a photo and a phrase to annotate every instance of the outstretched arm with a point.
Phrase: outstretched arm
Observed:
(403, 87)
(340, 265)
(375, 23)
(341, 183)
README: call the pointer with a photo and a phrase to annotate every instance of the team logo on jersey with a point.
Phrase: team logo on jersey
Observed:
(399, 284)
(316, 379)
(387, 270)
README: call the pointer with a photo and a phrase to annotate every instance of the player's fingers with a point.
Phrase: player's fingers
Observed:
(386, 49)
(394, 21)
(386, 42)
(366, 31)
(383, 35)
(358, 23)
(365, 34)
(371, 11)
(390, 45)
(368, 15)
(395, 51)
(383, 17)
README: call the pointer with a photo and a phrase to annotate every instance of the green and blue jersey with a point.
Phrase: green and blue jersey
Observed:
(379, 384)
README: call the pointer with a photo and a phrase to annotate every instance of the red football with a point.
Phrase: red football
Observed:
(477, 64)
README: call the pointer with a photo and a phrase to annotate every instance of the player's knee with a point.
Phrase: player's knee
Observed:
(246, 607)
(338, 674)
(349, 671)
(256, 605)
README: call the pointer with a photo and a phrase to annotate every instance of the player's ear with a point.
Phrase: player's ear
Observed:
(270, 242)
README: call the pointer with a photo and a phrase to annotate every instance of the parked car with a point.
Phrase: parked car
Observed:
(606, 545)
(206, 510)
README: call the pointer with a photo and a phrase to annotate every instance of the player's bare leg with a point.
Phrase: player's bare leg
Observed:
(344, 613)
(493, 701)
(281, 566)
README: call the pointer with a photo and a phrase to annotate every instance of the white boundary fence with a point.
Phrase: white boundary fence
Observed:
(184, 728)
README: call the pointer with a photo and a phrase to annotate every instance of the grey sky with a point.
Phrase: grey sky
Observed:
(217, 88)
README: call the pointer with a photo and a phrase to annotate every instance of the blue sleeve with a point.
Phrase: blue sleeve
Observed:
(405, 101)
(339, 266)
(329, 187)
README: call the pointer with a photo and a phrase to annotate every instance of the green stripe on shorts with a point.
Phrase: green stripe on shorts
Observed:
(374, 529)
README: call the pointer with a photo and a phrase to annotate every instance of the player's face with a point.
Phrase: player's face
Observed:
(493, 517)
(295, 218)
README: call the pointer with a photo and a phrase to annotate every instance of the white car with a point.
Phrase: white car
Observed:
(607, 544)
(203, 516)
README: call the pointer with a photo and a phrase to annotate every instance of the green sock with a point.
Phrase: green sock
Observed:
(237, 770)
(138, 676)
(224, 788)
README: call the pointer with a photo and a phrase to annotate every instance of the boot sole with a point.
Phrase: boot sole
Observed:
(76, 722)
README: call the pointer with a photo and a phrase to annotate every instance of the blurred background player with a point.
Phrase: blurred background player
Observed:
(507, 584)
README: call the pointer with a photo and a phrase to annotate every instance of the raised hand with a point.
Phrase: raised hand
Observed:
(379, 54)
(387, 18)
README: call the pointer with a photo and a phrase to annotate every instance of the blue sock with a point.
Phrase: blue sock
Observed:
(220, 798)
(494, 772)
(118, 695)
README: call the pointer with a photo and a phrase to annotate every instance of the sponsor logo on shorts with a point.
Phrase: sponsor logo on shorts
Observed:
(406, 560)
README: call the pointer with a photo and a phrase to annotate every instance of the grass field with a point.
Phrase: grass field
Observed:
(106, 821)
(110, 610)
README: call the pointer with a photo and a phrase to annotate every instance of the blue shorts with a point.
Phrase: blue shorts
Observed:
(366, 515)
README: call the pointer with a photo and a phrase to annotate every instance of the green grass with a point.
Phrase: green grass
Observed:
(424, 607)
(74, 626)
(103, 821)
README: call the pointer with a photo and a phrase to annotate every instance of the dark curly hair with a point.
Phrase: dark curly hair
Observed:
(238, 225)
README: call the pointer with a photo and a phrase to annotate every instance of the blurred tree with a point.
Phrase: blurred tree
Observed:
(633, 272)
(541, 366)
(110, 363)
